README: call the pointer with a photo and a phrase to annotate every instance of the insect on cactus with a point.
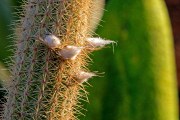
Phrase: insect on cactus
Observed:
(50, 61)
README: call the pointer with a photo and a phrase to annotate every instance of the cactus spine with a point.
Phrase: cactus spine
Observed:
(43, 84)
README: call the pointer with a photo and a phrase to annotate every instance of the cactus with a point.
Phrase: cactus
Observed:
(50, 61)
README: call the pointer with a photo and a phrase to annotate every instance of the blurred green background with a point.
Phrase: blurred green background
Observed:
(127, 90)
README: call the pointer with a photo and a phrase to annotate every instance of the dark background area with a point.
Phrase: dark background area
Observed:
(174, 12)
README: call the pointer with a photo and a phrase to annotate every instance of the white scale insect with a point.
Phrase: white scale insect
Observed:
(98, 42)
(52, 41)
(82, 76)
(71, 52)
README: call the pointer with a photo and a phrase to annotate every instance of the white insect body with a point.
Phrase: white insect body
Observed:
(82, 76)
(98, 42)
(70, 52)
(52, 41)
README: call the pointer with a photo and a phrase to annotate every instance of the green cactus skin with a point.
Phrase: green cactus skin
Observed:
(143, 75)
(42, 84)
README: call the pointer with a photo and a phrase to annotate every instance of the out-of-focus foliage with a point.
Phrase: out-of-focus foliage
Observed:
(4, 74)
(4, 78)
(140, 74)
(5, 29)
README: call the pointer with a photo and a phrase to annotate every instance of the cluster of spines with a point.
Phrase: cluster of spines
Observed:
(50, 61)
